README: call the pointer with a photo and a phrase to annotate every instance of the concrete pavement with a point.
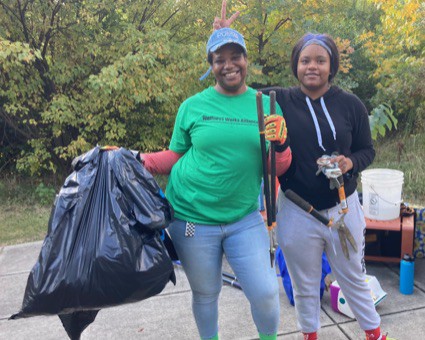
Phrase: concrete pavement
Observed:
(168, 315)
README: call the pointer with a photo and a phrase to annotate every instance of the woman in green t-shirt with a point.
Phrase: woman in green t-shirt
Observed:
(214, 161)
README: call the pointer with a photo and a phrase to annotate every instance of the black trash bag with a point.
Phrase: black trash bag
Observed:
(103, 247)
(75, 323)
(168, 242)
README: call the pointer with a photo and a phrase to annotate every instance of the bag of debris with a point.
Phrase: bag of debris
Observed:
(103, 247)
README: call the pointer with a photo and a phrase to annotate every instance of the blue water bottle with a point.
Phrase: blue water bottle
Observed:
(407, 273)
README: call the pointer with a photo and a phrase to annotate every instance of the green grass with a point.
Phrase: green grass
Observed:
(25, 203)
(22, 223)
(24, 210)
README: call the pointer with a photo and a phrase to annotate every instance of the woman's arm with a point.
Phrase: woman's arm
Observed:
(160, 162)
(223, 22)
(283, 161)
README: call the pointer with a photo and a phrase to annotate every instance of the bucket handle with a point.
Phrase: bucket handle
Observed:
(394, 203)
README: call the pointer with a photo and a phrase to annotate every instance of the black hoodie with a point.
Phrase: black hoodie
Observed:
(352, 139)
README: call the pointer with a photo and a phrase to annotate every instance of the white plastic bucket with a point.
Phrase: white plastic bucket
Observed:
(381, 190)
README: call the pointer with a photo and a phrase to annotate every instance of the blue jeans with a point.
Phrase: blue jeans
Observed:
(246, 246)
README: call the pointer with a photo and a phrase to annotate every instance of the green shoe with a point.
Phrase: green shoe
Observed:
(213, 338)
(267, 337)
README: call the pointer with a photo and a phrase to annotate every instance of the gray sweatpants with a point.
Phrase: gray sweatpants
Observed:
(303, 240)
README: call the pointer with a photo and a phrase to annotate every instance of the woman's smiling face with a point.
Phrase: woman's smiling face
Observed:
(313, 70)
(229, 65)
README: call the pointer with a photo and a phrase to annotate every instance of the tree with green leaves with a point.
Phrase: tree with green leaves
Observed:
(77, 73)
(397, 47)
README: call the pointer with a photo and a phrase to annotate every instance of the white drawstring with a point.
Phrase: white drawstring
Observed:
(328, 117)
(316, 123)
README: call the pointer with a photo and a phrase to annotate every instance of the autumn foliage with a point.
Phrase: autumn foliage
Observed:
(74, 74)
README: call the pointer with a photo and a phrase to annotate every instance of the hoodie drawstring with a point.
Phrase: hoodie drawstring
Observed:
(316, 123)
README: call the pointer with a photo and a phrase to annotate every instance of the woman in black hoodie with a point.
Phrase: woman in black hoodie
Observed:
(323, 120)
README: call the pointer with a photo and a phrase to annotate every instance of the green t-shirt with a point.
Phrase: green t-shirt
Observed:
(217, 181)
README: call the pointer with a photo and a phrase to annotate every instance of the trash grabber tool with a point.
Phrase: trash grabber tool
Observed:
(272, 95)
(231, 279)
(343, 232)
(334, 174)
(232, 282)
(262, 128)
(307, 207)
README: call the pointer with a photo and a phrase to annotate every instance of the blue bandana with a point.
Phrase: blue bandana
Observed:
(317, 41)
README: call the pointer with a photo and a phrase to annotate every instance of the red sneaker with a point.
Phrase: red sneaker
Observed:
(310, 336)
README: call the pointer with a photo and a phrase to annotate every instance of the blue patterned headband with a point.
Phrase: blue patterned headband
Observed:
(317, 41)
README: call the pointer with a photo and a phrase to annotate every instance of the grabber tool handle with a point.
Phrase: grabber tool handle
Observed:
(341, 194)
(231, 282)
(273, 184)
(272, 95)
(304, 205)
(262, 128)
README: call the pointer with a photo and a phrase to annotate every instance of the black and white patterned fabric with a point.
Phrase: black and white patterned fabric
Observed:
(190, 229)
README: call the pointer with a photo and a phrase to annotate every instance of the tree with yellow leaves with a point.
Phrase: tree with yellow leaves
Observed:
(397, 48)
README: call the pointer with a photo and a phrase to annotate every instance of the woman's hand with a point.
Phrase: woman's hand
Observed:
(223, 22)
(344, 163)
(276, 129)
